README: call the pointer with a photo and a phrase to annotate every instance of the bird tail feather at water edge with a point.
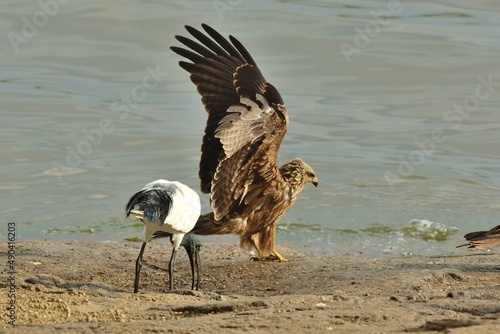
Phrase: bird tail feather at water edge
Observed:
(207, 225)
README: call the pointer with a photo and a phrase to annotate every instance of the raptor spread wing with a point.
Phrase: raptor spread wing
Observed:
(247, 119)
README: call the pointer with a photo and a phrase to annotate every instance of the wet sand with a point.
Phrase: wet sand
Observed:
(85, 287)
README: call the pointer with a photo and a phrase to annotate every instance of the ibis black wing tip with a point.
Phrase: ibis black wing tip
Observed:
(134, 199)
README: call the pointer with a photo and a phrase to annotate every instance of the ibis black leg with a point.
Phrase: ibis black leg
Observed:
(198, 265)
(138, 265)
(171, 268)
(190, 250)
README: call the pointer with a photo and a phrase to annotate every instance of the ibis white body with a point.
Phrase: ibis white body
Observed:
(167, 208)
(180, 218)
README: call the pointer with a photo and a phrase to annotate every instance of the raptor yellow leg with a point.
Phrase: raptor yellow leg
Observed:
(279, 256)
(263, 256)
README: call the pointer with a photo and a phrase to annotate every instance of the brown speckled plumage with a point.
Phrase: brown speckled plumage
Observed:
(483, 240)
(246, 123)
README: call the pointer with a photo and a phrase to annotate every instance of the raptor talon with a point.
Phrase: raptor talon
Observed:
(279, 256)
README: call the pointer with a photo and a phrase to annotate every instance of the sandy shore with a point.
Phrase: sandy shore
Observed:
(85, 287)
